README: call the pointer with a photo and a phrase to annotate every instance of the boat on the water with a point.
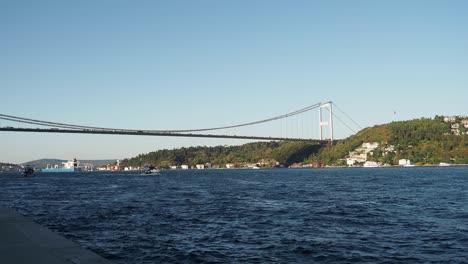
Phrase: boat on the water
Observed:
(29, 171)
(148, 170)
(69, 166)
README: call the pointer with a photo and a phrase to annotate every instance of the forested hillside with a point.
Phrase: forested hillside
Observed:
(424, 141)
(268, 153)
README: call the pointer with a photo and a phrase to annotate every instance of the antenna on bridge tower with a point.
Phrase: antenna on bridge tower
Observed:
(328, 122)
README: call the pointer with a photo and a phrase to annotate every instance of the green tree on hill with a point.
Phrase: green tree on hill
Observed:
(423, 141)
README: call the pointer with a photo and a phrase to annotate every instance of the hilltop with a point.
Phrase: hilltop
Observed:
(424, 141)
(10, 167)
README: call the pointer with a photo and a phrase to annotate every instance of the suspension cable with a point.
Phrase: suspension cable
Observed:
(337, 117)
(36, 123)
(47, 123)
(71, 126)
(344, 123)
(347, 115)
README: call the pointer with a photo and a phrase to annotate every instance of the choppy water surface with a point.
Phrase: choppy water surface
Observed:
(386, 215)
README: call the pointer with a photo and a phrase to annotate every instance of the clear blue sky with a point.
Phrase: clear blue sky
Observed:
(187, 64)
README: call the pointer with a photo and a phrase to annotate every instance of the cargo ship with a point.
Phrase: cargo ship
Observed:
(69, 166)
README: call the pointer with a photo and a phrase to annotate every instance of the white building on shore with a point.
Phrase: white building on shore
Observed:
(372, 164)
(404, 162)
(359, 155)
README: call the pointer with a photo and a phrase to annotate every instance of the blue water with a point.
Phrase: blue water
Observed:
(382, 215)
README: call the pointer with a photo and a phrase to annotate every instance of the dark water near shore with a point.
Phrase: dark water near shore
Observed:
(383, 215)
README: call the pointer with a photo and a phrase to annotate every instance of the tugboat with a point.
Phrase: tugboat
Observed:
(148, 170)
(28, 171)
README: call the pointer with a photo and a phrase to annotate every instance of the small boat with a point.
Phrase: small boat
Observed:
(443, 164)
(148, 170)
(29, 171)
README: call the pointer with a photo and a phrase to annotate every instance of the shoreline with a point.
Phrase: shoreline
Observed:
(24, 241)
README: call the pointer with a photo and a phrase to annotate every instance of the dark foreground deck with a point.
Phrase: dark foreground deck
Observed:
(23, 241)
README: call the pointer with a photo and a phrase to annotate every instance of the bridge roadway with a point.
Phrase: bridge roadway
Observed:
(150, 133)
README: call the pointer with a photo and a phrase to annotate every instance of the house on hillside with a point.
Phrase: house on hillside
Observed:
(450, 119)
(370, 146)
(359, 156)
(455, 129)
(464, 122)
(404, 162)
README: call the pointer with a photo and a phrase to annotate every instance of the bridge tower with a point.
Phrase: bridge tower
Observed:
(327, 122)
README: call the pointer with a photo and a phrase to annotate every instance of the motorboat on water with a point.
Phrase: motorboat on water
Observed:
(29, 171)
(148, 170)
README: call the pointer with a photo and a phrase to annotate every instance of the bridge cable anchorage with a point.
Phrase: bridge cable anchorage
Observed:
(71, 126)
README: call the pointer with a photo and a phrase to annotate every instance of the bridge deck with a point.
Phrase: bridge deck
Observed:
(150, 133)
(23, 241)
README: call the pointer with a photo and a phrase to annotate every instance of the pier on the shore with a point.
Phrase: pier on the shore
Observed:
(23, 241)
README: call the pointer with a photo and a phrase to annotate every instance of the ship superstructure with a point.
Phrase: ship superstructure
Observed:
(69, 166)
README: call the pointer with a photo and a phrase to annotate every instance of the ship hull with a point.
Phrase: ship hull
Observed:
(61, 170)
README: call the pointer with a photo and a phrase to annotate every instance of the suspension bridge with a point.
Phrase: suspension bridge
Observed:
(325, 123)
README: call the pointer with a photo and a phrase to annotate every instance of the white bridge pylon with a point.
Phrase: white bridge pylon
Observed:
(326, 122)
